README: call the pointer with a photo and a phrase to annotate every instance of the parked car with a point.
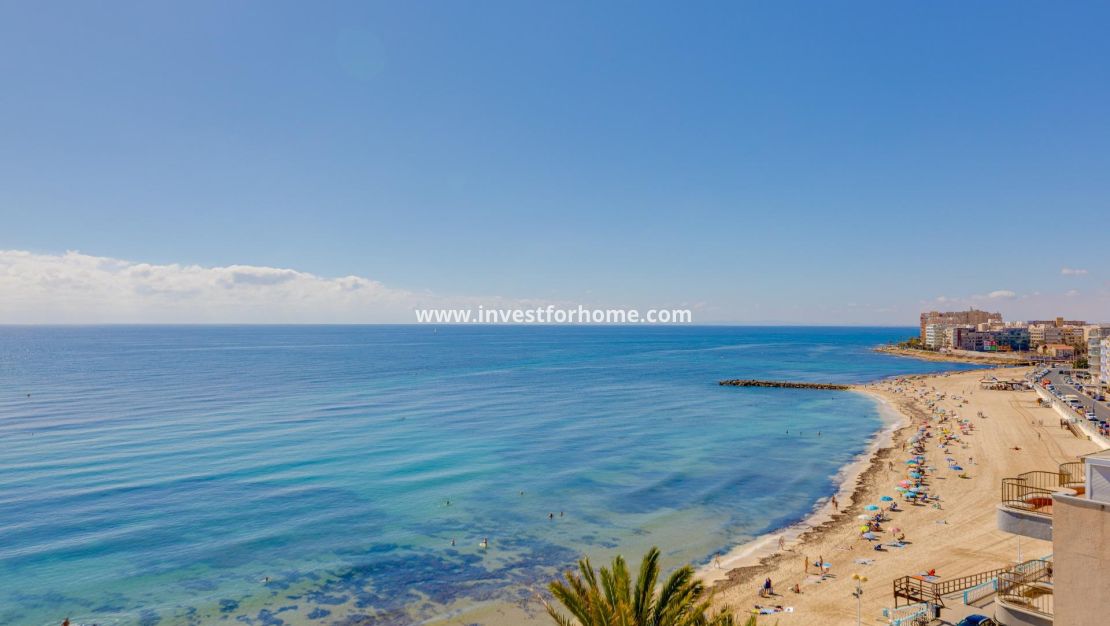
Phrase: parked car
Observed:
(976, 620)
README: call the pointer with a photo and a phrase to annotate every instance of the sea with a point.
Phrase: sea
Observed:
(270, 475)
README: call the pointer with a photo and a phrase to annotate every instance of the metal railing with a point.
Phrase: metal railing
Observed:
(911, 615)
(981, 591)
(1032, 491)
(916, 589)
(1030, 590)
(989, 588)
(1016, 494)
(1072, 474)
(1042, 479)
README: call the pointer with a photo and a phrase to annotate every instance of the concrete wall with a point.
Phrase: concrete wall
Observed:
(1068, 414)
(1081, 556)
(1013, 616)
(1024, 523)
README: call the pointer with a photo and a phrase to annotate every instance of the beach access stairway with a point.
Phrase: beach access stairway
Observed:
(968, 589)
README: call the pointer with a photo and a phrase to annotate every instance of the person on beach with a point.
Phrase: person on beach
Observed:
(782, 543)
(768, 590)
(807, 565)
(836, 505)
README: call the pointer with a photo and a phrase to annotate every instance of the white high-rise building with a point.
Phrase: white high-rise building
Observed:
(1095, 334)
(934, 335)
(1104, 362)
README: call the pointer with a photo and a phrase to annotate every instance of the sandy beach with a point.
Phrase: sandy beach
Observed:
(958, 538)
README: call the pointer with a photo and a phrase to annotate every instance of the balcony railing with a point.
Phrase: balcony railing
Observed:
(1030, 590)
(1017, 494)
(1032, 491)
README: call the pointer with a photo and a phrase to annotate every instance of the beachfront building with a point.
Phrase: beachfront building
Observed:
(1007, 339)
(1058, 350)
(1095, 336)
(1081, 546)
(934, 336)
(1070, 507)
(1059, 321)
(971, 317)
(1044, 334)
(1104, 362)
(1072, 332)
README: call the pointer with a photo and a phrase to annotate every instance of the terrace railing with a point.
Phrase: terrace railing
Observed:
(1030, 590)
(1017, 494)
(912, 615)
(915, 589)
(1072, 474)
(1032, 491)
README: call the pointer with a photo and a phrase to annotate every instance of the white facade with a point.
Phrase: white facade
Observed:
(1104, 362)
(1095, 335)
(934, 335)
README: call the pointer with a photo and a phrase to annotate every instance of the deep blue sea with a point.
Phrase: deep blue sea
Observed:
(313, 475)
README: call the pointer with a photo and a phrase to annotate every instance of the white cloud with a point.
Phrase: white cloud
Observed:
(1002, 294)
(1069, 271)
(76, 287)
(1071, 293)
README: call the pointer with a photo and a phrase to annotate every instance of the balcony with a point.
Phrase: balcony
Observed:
(1026, 506)
(1026, 597)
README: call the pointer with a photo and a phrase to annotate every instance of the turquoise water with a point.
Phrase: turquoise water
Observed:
(269, 475)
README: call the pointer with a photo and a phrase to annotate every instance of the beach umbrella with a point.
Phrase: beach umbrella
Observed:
(886, 498)
(869, 536)
(863, 517)
(870, 507)
(957, 468)
(864, 529)
(916, 474)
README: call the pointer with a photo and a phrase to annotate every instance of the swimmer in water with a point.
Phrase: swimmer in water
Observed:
(485, 542)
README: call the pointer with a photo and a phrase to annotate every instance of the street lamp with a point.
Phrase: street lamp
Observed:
(858, 593)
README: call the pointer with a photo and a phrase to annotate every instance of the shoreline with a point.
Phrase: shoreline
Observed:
(746, 560)
(973, 358)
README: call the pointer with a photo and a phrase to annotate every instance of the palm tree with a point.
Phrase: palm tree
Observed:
(609, 598)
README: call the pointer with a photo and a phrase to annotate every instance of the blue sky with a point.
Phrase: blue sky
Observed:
(782, 161)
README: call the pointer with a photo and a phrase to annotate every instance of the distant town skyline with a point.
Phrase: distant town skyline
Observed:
(822, 163)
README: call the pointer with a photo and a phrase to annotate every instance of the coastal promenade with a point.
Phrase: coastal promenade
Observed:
(955, 537)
